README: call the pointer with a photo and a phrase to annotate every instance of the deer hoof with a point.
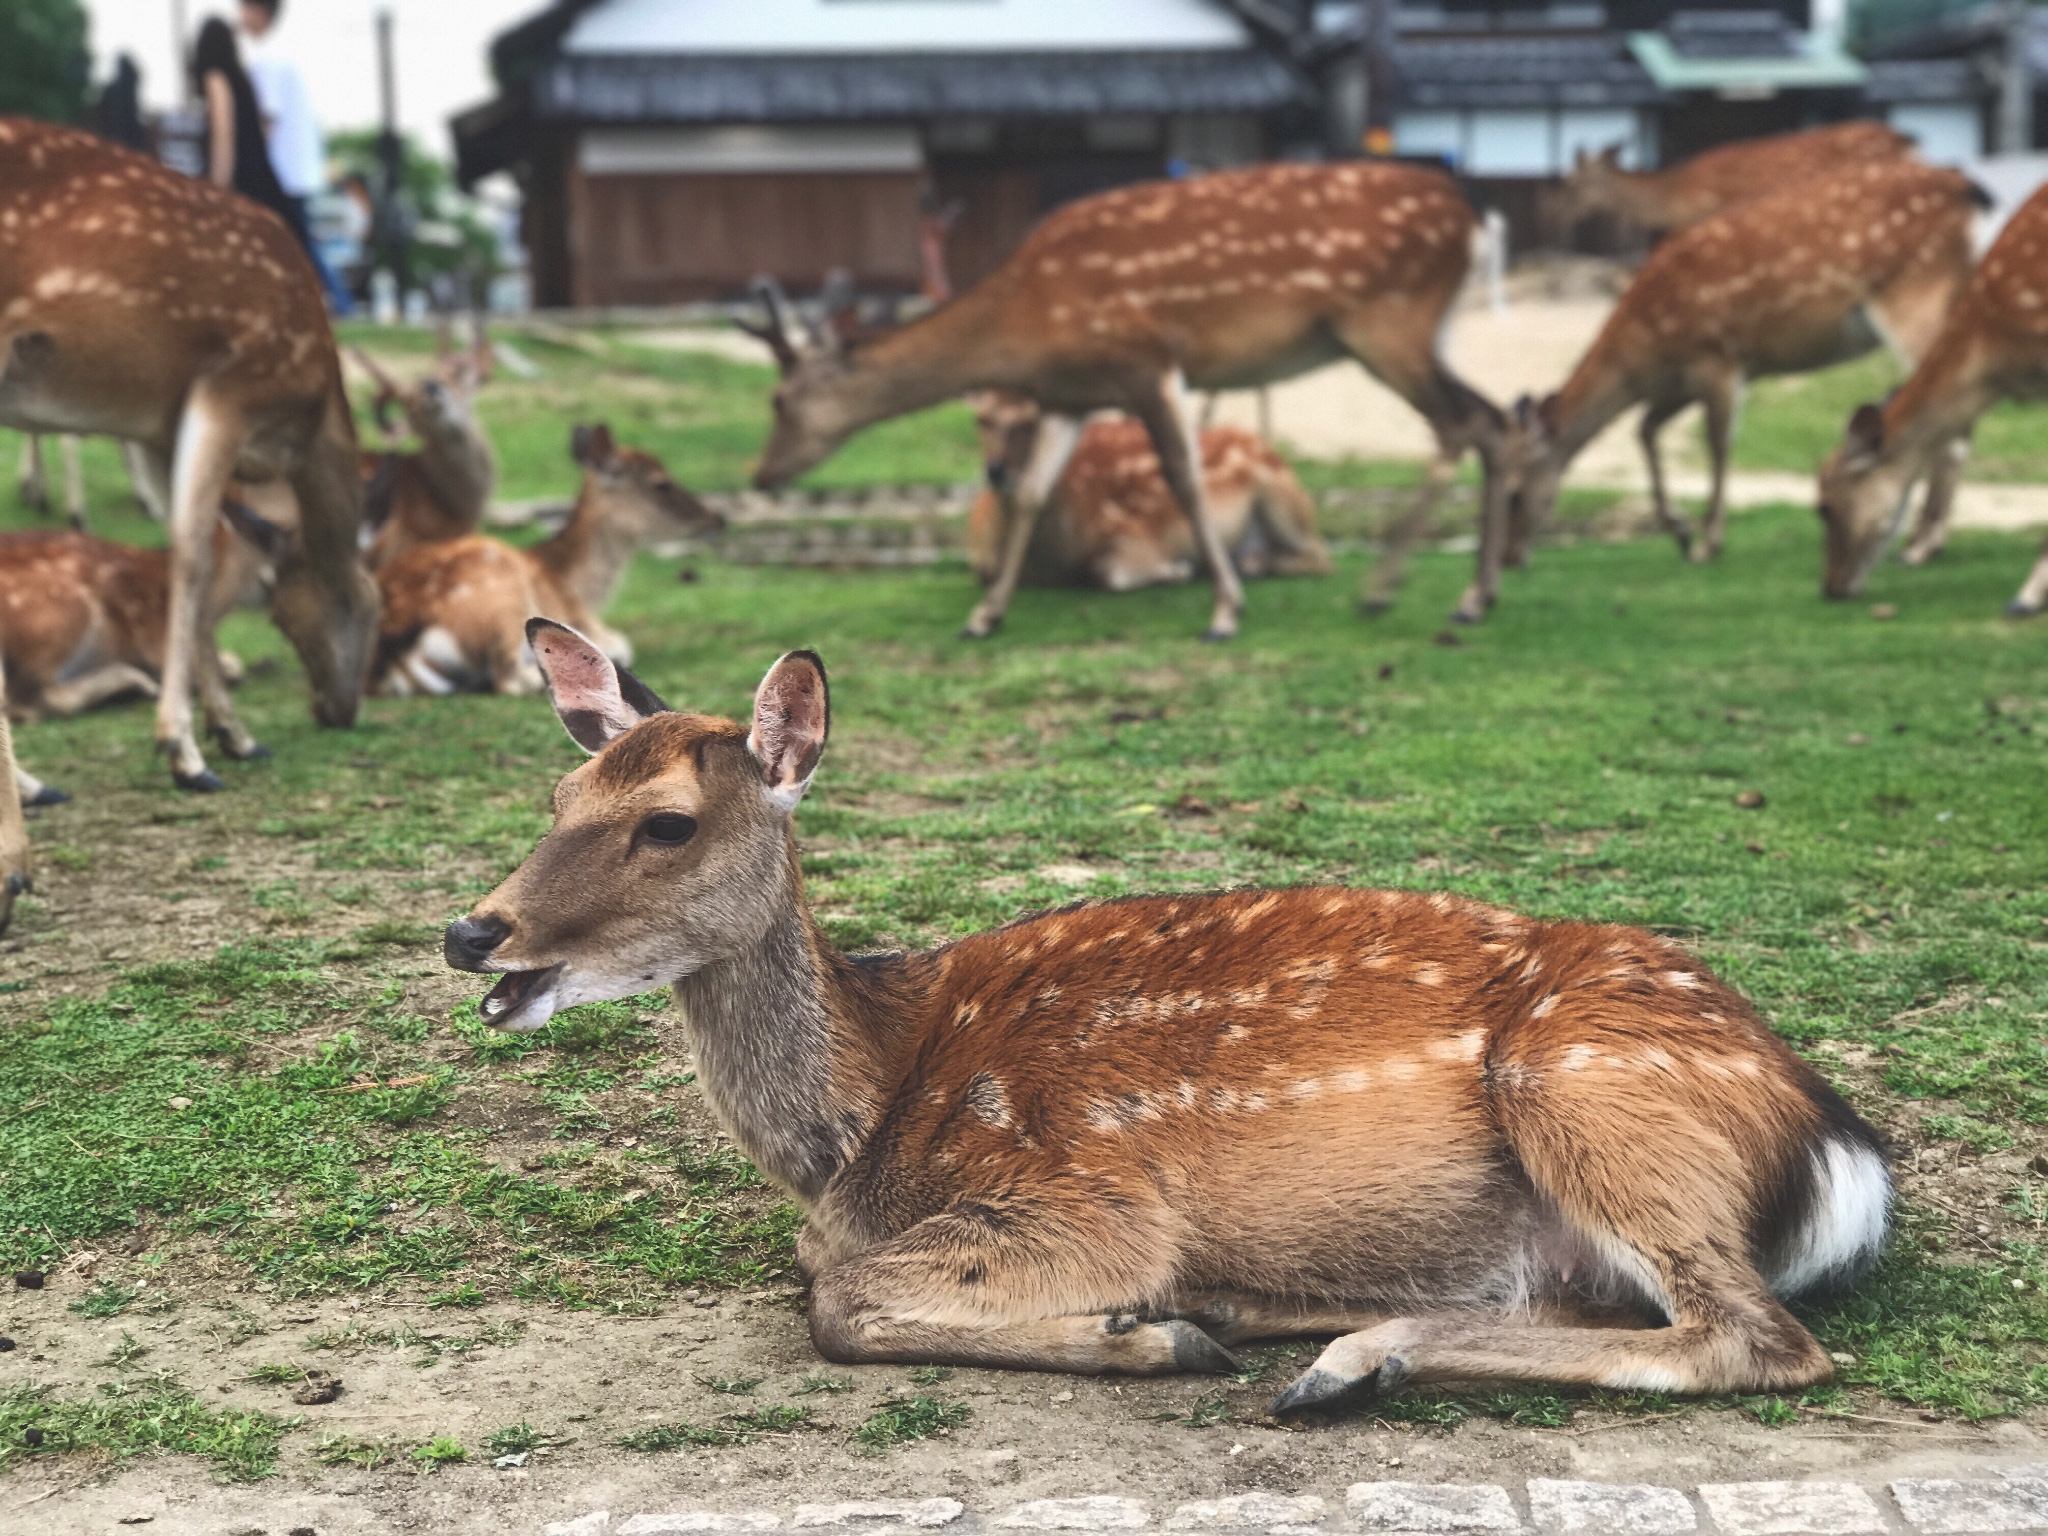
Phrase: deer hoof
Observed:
(975, 629)
(1319, 1391)
(1215, 635)
(49, 794)
(1194, 1350)
(1700, 554)
(204, 782)
(2021, 608)
(256, 752)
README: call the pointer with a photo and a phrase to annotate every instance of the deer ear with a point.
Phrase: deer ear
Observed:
(597, 701)
(1866, 429)
(1612, 155)
(792, 718)
(592, 446)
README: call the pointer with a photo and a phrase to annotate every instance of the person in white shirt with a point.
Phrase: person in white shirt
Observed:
(291, 134)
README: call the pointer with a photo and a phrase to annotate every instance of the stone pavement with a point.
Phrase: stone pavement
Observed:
(2015, 1500)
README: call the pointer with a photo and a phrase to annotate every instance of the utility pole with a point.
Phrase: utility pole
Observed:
(1379, 74)
(178, 69)
(389, 220)
(2016, 84)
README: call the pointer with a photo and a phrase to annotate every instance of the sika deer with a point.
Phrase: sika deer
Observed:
(32, 484)
(440, 489)
(455, 612)
(1718, 179)
(83, 620)
(1803, 278)
(1121, 1136)
(147, 305)
(16, 870)
(1112, 522)
(1126, 300)
(1993, 347)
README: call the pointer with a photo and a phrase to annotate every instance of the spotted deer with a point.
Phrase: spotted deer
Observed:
(1126, 300)
(84, 620)
(1797, 280)
(146, 305)
(440, 489)
(1126, 1135)
(17, 872)
(1720, 178)
(1993, 347)
(1112, 522)
(455, 611)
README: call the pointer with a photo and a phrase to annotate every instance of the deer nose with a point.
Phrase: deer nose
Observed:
(469, 940)
(997, 473)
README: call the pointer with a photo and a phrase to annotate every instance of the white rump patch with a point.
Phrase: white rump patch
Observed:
(1850, 1216)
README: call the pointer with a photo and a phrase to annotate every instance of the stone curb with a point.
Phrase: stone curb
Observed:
(2011, 1503)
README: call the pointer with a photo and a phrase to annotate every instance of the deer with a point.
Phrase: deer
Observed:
(1993, 346)
(17, 871)
(1128, 299)
(84, 620)
(440, 489)
(1125, 1136)
(1803, 278)
(32, 483)
(1113, 523)
(1718, 179)
(146, 305)
(455, 611)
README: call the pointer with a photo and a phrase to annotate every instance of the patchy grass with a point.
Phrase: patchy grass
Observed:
(914, 1418)
(728, 1429)
(133, 1417)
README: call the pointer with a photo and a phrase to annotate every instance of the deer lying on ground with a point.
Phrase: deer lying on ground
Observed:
(440, 489)
(1721, 178)
(1126, 300)
(1123, 1136)
(147, 305)
(1794, 281)
(1994, 346)
(455, 612)
(84, 620)
(1111, 521)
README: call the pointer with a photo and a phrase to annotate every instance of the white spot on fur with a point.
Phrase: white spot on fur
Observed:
(1543, 1008)
(1684, 979)
(1577, 1058)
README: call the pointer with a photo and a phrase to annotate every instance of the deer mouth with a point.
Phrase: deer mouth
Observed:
(522, 1000)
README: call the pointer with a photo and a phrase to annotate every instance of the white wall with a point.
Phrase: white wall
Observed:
(747, 150)
(898, 26)
(1517, 142)
(1949, 132)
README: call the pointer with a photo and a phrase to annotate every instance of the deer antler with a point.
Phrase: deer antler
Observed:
(776, 332)
(388, 392)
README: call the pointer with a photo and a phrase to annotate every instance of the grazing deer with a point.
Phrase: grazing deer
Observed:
(1126, 300)
(1803, 278)
(1718, 179)
(84, 620)
(147, 305)
(1111, 521)
(455, 612)
(440, 489)
(1994, 346)
(1122, 1136)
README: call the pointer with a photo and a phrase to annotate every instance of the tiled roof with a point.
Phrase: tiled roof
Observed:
(1591, 69)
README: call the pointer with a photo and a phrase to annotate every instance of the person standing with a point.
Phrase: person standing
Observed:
(289, 129)
(236, 155)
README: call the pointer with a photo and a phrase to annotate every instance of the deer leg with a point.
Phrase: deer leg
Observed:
(14, 856)
(209, 441)
(987, 1285)
(1288, 516)
(74, 479)
(31, 485)
(1722, 395)
(96, 687)
(1057, 438)
(32, 790)
(1174, 439)
(2033, 593)
(1403, 534)
(1654, 419)
(1930, 534)
(150, 478)
(1496, 511)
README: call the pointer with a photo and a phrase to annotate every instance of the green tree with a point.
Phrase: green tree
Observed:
(45, 68)
(448, 234)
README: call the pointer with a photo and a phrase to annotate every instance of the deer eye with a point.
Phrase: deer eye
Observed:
(669, 828)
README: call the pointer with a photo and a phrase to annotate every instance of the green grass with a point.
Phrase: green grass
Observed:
(914, 1418)
(133, 1417)
(728, 1429)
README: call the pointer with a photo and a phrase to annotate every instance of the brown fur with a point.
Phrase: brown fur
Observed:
(455, 610)
(1112, 522)
(1108, 1137)
(155, 307)
(440, 489)
(84, 619)
(1993, 346)
(1122, 300)
(1793, 281)
(17, 871)
(1718, 179)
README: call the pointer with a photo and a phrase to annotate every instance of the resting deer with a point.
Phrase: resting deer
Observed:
(147, 305)
(1111, 521)
(1123, 1136)
(1797, 280)
(455, 612)
(1994, 346)
(440, 489)
(16, 871)
(83, 620)
(1126, 300)
(1718, 179)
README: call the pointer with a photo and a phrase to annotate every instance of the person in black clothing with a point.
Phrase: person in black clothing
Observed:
(236, 155)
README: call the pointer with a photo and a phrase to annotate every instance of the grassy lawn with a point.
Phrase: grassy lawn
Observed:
(313, 1108)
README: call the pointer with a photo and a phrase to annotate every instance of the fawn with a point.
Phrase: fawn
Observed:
(455, 611)
(440, 489)
(1111, 521)
(1124, 1135)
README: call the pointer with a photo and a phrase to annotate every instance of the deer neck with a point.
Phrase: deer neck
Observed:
(459, 470)
(1942, 399)
(793, 1053)
(938, 357)
(1649, 198)
(1596, 393)
(590, 555)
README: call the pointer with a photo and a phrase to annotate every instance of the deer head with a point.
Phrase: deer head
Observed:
(671, 848)
(1588, 188)
(821, 400)
(1863, 489)
(440, 406)
(637, 492)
